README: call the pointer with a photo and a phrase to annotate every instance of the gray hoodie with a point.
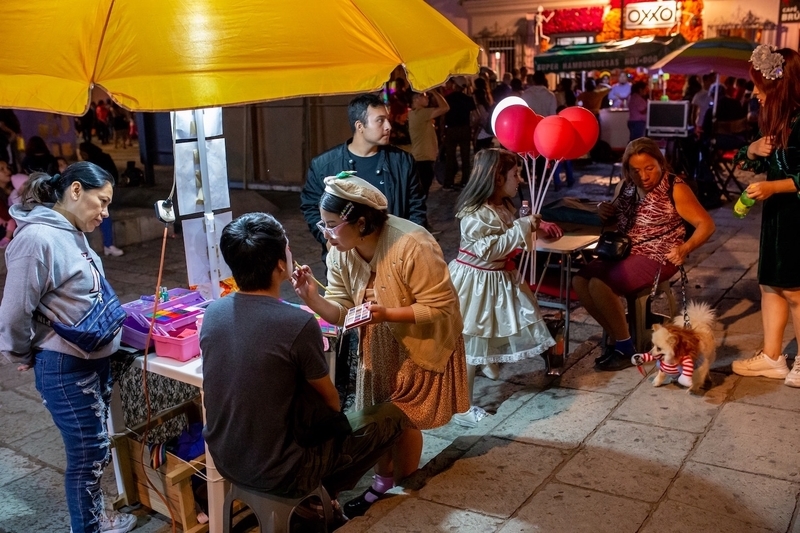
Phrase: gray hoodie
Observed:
(49, 270)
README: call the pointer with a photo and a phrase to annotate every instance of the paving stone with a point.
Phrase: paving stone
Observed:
(529, 372)
(707, 277)
(727, 259)
(495, 477)
(583, 376)
(675, 517)
(431, 447)
(45, 445)
(739, 316)
(14, 466)
(421, 516)
(11, 378)
(560, 417)
(766, 392)
(464, 438)
(672, 406)
(644, 459)
(21, 416)
(753, 439)
(757, 500)
(745, 289)
(34, 503)
(561, 508)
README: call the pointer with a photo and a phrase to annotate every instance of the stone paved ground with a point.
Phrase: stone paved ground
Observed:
(588, 451)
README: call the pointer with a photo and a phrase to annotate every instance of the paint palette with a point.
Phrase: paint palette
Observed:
(357, 315)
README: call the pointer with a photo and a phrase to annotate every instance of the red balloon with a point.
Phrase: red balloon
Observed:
(555, 137)
(586, 125)
(514, 128)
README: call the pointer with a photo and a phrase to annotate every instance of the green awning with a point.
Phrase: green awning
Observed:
(630, 53)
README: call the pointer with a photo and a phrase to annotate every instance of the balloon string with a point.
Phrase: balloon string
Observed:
(547, 185)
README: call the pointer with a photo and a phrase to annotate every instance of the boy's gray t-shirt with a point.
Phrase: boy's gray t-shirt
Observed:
(256, 349)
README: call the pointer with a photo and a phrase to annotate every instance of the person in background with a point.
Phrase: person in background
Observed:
(55, 273)
(424, 143)
(775, 74)
(101, 122)
(412, 352)
(503, 88)
(502, 321)
(369, 154)
(121, 122)
(637, 105)
(539, 97)
(94, 154)
(7, 222)
(650, 207)
(482, 134)
(621, 92)
(457, 133)
(565, 94)
(592, 98)
(37, 156)
(275, 357)
(700, 103)
(693, 86)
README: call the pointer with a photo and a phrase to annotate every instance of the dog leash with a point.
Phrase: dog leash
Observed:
(684, 279)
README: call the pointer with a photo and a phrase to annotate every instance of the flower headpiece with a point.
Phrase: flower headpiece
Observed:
(768, 62)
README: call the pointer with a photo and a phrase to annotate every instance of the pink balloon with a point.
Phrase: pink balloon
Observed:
(585, 124)
(515, 127)
(555, 137)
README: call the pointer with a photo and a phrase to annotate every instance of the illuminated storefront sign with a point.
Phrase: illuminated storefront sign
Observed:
(647, 15)
(790, 11)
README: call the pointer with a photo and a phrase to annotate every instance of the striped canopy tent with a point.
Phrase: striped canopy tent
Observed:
(628, 53)
(724, 55)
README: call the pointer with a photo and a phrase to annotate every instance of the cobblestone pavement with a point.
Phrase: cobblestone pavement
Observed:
(589, 451)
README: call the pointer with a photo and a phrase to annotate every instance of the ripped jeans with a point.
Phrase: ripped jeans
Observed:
(77, 393)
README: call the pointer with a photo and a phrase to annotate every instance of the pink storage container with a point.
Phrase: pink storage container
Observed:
(181, 348)
(134, 330)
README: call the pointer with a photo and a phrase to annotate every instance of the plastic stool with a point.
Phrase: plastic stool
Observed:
(273, 512)
(641, 319)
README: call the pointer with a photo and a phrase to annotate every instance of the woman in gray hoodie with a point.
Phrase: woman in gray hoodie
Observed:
(51, 274)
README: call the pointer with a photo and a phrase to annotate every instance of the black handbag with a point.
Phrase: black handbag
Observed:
(613, 246)
(99, 325)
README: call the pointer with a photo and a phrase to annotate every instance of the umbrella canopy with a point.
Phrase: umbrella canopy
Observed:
(159, 55)
(724, 55)
(630, 53)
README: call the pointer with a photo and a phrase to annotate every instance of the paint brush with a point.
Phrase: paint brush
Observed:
(299, 267)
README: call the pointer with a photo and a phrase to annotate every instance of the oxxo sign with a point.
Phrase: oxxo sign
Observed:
(651, 15)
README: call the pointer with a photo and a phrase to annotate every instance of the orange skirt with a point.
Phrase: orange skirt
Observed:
(386, 373)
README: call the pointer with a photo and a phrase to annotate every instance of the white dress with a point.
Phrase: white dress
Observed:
(502, 321)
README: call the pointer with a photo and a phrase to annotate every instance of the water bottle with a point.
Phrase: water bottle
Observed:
(525, 209)
(743, 205)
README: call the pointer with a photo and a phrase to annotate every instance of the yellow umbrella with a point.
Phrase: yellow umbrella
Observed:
(159, 55)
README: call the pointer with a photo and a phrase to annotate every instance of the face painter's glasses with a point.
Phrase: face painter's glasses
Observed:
(333, 232)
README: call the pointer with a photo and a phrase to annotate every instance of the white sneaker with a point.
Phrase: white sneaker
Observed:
(471, 418)
(112, 250)
(793, 377)
(762, 365)
(491, 371)
(115, 522)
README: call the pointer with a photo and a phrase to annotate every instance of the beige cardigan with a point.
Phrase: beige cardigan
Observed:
(409, 270)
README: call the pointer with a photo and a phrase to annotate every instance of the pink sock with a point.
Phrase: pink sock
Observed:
(380, 484)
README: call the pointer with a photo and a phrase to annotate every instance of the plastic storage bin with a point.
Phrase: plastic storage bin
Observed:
(180, 310)
(182, 344)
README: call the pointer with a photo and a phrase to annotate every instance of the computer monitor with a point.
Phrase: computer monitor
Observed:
(668, 118)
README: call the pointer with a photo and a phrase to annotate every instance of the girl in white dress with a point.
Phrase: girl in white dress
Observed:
(502, 321)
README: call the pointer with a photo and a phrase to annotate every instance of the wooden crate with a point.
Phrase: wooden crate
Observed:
(173, 481)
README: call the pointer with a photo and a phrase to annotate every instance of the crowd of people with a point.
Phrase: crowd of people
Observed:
(427, 325)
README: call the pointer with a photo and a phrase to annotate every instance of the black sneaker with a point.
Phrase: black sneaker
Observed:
(607, 354)
(358, 506)
(618, 361)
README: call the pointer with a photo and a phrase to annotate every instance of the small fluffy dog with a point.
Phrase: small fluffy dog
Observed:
(678, 349)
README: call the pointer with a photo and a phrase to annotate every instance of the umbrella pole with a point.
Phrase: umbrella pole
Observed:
(716, 99)
(212, 239)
